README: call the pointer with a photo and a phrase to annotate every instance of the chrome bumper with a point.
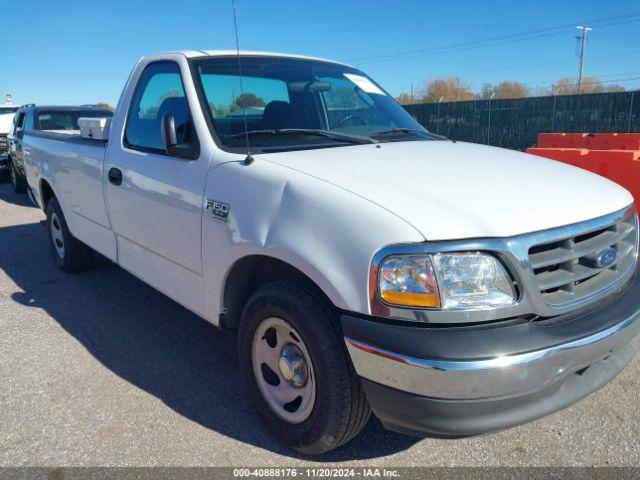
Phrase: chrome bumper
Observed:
(505, 373)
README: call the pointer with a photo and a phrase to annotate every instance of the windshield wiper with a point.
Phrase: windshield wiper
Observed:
(406, 131)
(355, 139)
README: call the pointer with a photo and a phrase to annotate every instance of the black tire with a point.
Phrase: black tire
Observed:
(18, 182)
(341, 409)
(75, 256)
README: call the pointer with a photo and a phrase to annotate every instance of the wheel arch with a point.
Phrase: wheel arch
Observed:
(250, 272)
(46, 193)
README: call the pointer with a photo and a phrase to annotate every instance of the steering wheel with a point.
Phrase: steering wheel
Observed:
(351, 117)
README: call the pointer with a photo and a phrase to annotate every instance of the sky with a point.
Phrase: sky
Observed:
(77, 52)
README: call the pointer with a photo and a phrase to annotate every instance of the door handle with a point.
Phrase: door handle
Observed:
(115, 176)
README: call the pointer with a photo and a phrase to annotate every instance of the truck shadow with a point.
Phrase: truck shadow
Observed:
(9, 196)
(155, 344)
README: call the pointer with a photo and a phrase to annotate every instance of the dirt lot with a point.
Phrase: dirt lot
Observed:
(99, 369)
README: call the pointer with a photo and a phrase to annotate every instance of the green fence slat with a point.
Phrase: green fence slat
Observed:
(515, 123)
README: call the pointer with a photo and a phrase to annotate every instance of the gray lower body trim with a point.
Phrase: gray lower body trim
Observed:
(493, 377)
(417, 415)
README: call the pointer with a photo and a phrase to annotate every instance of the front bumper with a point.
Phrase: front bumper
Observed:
(4, 163)
(474, 379)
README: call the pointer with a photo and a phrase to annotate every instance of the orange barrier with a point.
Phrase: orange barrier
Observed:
(593, 141)
(621, 165)
(584, 156)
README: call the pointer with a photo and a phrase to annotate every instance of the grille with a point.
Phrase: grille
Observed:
(567, 270)
(3, 142)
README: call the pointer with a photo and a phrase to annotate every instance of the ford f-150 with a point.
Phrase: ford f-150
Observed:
(365, 263)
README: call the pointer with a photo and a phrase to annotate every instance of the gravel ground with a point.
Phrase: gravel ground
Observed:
(98, 369)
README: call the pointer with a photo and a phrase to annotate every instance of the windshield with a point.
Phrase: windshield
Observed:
(57, 120)
(5, 110)
(293, 104)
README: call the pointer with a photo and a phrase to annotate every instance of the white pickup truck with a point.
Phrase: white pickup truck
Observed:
(7, 111)
(365, 263)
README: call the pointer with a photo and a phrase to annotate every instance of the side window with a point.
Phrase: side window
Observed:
(159, 91)
(55, 121)
(29, 123)
(20, 120)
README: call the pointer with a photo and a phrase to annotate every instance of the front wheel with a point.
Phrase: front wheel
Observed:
(70, 254)
(297, 371)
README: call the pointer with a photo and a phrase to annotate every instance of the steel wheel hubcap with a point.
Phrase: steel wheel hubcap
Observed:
(283, 370)
(293, 365)
(56, 235)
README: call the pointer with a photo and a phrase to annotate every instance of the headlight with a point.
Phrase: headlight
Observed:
(445, 280)
(409, 281)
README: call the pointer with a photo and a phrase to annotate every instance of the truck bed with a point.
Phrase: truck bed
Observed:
(73, 166)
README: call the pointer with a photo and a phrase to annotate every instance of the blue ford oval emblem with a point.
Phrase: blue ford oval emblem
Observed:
(606, 257)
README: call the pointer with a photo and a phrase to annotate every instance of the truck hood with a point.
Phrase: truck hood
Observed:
(454, 190)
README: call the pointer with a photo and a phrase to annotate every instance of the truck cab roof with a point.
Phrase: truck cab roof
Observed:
(245, 53)
(38, 108)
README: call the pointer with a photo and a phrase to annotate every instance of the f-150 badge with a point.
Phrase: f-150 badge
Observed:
(218, 209)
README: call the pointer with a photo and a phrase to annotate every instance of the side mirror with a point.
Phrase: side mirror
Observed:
(187, 150)
(168, 131)
(19, 132)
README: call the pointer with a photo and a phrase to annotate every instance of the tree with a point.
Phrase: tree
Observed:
(615, 87)
(505, 89)
(568, 86)
(449, 89)
(105, 105)
(404, 99)
(247, 100)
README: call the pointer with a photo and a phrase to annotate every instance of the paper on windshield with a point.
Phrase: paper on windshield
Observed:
(364, 83)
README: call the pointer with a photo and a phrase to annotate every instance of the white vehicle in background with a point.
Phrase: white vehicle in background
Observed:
(366, 264)
(7, 111)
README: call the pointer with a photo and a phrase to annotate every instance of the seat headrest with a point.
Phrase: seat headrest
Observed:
(278, 115)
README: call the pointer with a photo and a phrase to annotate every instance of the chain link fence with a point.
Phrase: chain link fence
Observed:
(515, 123)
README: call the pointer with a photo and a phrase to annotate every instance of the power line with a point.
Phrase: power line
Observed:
(499, 40)
(479, 45)
(532, 34)
(553, 62)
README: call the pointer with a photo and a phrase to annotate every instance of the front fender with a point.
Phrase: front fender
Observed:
(324, 231)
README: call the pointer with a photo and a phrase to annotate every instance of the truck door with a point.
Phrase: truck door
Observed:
(154, 199)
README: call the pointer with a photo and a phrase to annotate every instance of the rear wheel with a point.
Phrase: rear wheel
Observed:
(18, 182)
(296, 368)
(70, 254)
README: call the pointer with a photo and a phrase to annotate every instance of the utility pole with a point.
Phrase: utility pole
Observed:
(493, 94)
(583, 39)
